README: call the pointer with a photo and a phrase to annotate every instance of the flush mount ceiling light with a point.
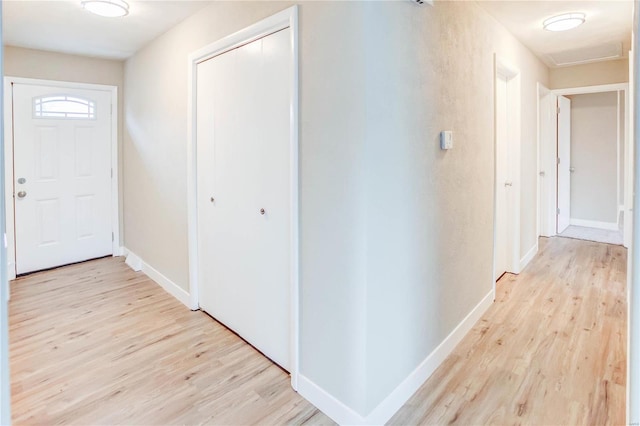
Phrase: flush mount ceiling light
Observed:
(564, 22)
(108, 8)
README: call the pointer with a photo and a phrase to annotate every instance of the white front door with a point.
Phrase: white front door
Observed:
(62, 175)
(564, 163)
(503, 179)
(243, 190)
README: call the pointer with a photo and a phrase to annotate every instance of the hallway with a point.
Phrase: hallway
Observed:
(551, 350)
(96, 343)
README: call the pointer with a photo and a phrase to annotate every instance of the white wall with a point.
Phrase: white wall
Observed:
(594, 74)
(5, 397)
(40, 64)
(594, 134)
(633, 281)
(396, 235)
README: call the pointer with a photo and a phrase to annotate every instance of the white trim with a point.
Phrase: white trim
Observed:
(8, 164)
(325, 402)
(609, 226)
(132, 260)
(619, 146)
(399, 396)
(546, 218)
(627, 148)
(628, 161)
(287, 18)
(539, 90)
(136, 263)
(584, 90)
(529, 256)
(503, 69)
(632, 236)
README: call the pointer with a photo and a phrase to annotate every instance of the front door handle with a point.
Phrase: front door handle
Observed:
(22, 194)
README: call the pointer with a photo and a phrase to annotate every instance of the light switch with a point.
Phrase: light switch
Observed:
(446, 139)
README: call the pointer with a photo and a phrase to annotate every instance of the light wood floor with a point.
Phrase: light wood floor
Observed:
(550, 351)
(97, 343)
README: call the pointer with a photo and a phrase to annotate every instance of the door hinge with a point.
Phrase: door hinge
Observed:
(558, 111)
(558, 160)
(113, 238)
(111, 173)
(557, 211)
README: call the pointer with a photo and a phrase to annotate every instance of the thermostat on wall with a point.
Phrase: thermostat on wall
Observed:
(446, 139)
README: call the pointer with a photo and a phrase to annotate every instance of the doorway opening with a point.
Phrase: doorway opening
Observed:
(61, 170)
(243, 185)
(584, 163)
(507, 170)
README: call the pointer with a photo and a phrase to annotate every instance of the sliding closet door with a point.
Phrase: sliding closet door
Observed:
(243, 149)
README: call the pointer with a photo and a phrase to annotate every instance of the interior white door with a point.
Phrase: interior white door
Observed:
(62, 175)
(243, 189)
(503, 180)
(564, 163)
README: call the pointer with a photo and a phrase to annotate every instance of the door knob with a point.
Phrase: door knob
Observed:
(22, 180)
(262, 212)
(508, 184)
(572, 169)
(22, 194)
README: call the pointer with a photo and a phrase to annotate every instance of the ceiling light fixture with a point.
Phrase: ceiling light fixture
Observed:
(107, 8)
(564, 22)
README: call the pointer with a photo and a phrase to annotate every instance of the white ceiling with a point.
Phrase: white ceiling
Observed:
(64, 26)
(606, 22)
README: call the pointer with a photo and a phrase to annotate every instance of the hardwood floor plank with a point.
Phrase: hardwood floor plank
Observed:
(550, 351)
(96, 343)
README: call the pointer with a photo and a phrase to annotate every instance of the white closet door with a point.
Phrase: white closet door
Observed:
(243, 149)
(62, 168)
(503, 187)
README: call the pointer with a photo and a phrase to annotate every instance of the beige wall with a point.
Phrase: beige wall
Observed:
(597, 73)
(594, 156)
(39, 64)
(396, 235)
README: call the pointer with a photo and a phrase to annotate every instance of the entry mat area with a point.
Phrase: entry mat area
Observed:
(593, 234)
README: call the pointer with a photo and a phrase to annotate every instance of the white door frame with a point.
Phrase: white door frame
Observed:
(546, 171)
(548, 154)
(8, 157)
(288, 18)
(503, 69)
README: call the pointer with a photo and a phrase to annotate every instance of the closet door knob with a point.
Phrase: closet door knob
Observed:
(262, 212)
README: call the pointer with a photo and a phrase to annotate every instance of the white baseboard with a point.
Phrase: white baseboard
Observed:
(609, 226)
(136, 263)
(133, 261)
(528, 257)
(400, 395)
(329, 405)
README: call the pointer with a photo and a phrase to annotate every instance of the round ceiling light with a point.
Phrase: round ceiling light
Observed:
(107, 8)
(564, 22)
